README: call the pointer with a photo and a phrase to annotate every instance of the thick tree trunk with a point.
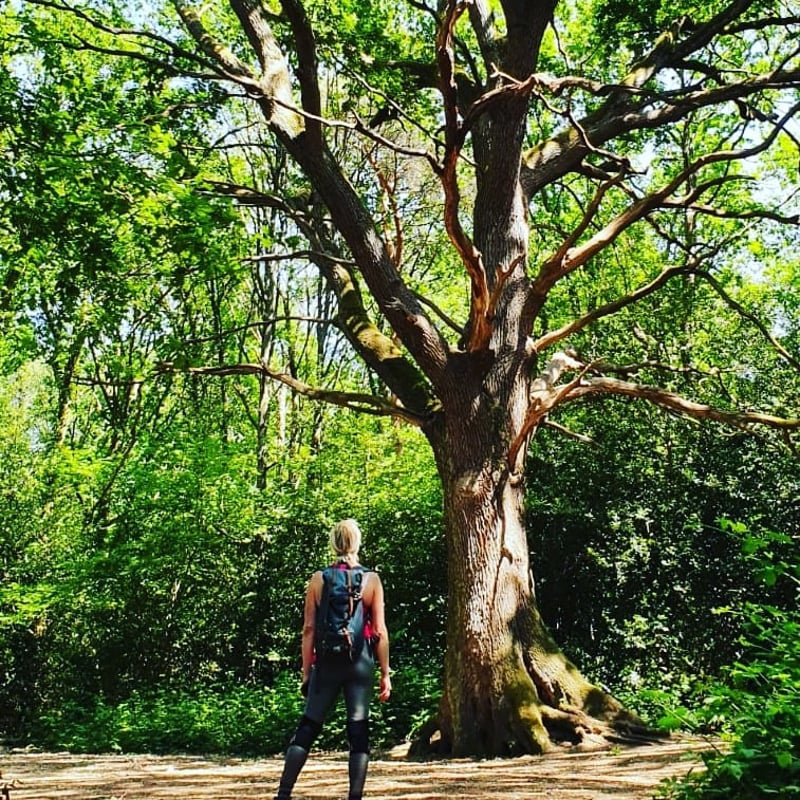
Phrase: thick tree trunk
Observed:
(490, 703)
(508, 687)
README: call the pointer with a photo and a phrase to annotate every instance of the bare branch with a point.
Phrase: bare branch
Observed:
(247, 196)
(217, 53)
(545, 395)
(479, 323)
(391, 199)
(361, 127)
(548, 423)
(396, 108)
(448, 320)
(761, 24)
(364, 403)
(724, 213)
(364, 129)
(627, 370)
(576, 325)
(308, 255)
(589, 216)
(661, 397)
(307, 68)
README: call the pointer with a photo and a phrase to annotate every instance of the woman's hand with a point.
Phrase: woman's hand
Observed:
(385, 687)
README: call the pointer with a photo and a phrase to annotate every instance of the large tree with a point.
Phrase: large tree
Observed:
(597, 163)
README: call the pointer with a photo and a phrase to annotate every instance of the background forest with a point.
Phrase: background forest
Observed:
(153, 578)
(160, 513)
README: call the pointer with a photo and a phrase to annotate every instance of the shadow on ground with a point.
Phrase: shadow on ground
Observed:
(628, 773)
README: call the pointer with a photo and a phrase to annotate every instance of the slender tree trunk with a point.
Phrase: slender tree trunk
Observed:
(64, 378)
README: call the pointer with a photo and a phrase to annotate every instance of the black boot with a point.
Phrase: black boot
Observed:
(358, 774)
(295, 759)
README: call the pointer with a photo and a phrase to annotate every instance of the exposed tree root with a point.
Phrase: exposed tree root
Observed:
(573, 726)
(566, 727)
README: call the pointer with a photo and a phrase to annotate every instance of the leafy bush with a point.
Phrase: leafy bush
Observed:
(755, 704)
(239, 720)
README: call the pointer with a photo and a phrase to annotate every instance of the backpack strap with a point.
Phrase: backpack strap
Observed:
(324, 602)
(353, 579)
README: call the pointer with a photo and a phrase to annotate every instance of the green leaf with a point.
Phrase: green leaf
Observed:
(784, 760)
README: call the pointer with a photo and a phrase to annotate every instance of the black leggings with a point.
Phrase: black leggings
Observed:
(331, 676)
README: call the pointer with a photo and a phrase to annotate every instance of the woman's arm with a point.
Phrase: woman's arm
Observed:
(381, 634)
(313, 594)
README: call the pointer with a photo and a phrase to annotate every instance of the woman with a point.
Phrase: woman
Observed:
(326, 675)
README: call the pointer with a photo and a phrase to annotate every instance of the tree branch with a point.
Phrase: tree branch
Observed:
(274, 84)
(545, 395)
(482, 19)
(448, 320)
(561, 154)
(217, 53)
(567, 259)
(377, 350)
(580, 323)
(629, 107)
(674, 402)
(364, 403)
(725, 213)
(479, 324)
(307, 65)
(165, 59)
(548, 423)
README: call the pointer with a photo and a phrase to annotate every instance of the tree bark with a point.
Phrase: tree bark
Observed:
(508, 687)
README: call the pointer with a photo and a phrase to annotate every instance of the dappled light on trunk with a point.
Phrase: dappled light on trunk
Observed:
(508, 687)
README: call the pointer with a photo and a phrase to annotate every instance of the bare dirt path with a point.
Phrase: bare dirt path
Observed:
(619, 774)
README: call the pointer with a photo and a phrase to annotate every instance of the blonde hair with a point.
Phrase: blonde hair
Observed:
(346, 539)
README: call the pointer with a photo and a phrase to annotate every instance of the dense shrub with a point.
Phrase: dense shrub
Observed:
(234, 719)
(238, 720)
(755, 705)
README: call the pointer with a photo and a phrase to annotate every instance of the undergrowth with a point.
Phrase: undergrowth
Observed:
(236, 720)
(755, 707)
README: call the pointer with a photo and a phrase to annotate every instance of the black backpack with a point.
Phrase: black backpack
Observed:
(340, 615)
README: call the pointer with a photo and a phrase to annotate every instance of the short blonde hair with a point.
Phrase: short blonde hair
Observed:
(346, 538)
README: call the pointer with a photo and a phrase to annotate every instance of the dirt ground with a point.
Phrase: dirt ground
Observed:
(622, 774)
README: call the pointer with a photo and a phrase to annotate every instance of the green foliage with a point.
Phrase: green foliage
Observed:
(386, 42)
(233, 719)
(755, 701)
(634, 25)
(629, 555)
(157, 527)
(757, 705)
(145, 597)
(239, 719)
